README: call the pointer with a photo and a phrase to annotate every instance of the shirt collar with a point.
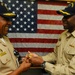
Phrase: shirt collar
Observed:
(71, 34)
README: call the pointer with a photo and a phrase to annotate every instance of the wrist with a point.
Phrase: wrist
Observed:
(43, 64)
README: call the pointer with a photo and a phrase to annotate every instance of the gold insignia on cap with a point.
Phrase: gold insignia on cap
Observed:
(64, 12)
(72, 4)
(9, 14)
(2, 4)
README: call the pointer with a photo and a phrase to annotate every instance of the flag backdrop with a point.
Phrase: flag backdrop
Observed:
(37, 25)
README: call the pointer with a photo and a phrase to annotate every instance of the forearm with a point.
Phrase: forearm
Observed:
(57, 69)
(49, 57)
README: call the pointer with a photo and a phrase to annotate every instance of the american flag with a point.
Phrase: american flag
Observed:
(37, 25)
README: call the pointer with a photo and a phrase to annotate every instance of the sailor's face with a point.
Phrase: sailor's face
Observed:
(4, 25)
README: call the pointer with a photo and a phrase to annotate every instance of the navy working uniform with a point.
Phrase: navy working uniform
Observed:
(7, 59)
(64, 52)
(64, 55)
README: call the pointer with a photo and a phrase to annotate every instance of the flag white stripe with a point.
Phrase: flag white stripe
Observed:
(32, 45)
(50, 7)
(33, 35)
(49, 17)
(50, 26)
(39, 53)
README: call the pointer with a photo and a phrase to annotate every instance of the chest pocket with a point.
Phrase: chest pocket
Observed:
(70, 51)
(5, 59)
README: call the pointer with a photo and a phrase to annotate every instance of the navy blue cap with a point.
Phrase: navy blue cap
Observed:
(68, 11)
(5, 12)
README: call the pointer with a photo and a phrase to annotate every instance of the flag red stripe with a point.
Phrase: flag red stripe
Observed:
(55, 22)
(47, 12)
(35, 49)
(52, 2)
(49, 31)
(32, 40)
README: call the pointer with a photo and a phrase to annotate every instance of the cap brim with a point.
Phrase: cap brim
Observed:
(62, 12)
(10, 15)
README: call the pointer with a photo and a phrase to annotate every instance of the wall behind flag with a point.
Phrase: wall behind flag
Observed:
(37, 25)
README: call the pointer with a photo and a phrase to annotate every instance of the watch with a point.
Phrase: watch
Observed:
(43, 64)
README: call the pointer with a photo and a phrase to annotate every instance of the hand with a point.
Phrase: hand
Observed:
(36, 60)
(25, 59)
(25, 66)
(30, 54)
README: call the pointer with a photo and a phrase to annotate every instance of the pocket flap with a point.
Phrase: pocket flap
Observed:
(4, 59)
(71, 51)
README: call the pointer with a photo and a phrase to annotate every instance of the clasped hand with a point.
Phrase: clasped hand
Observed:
(34, 59)
(29, 60)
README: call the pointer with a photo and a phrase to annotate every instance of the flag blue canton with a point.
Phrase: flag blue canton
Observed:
(26, 20)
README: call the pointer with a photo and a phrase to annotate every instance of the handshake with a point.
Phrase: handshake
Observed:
(33, 58)
(30, 55)
(29, 60)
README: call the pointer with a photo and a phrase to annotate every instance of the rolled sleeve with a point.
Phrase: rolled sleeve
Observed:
(49, 57)
(57, 69)
(2, 73)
